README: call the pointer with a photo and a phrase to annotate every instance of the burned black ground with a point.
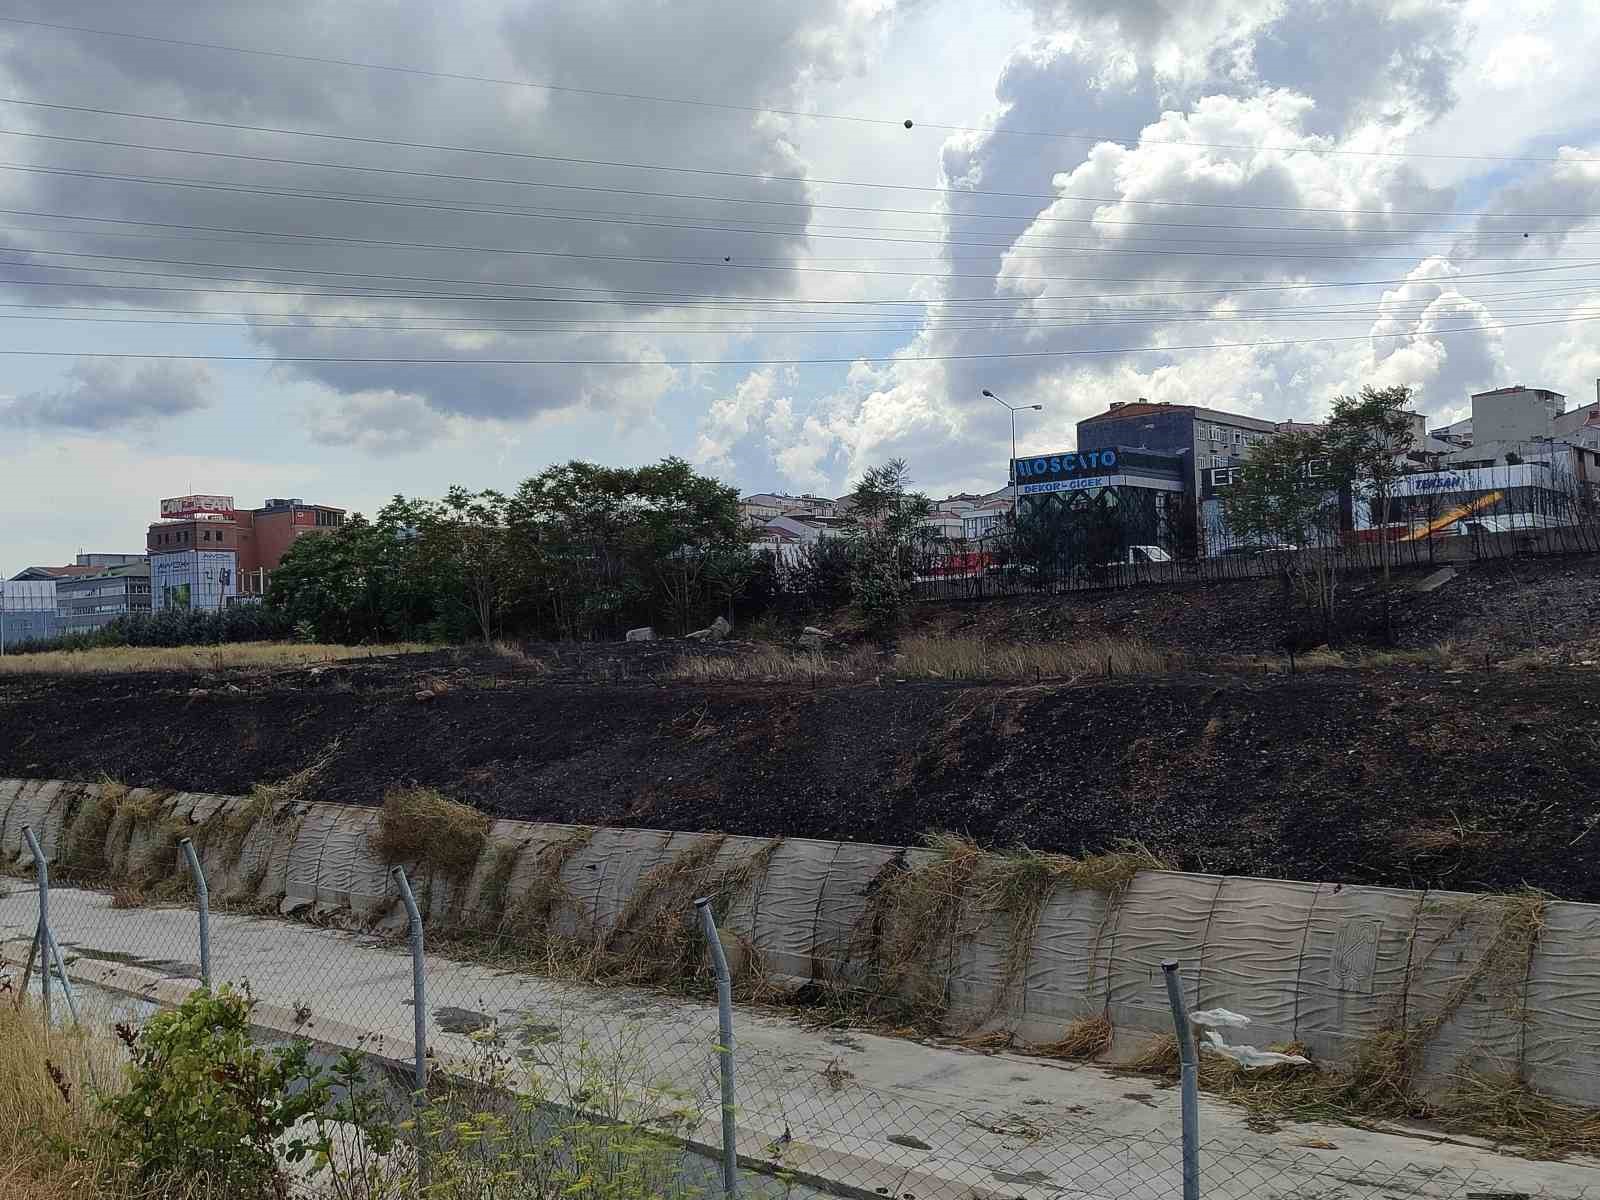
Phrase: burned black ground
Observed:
(1466, 780)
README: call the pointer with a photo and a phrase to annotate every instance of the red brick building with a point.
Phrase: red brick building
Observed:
(221, 551)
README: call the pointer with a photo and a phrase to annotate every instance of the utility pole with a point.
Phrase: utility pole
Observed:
(1011, 470)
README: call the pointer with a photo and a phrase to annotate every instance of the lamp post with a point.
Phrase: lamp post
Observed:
(1011, 470)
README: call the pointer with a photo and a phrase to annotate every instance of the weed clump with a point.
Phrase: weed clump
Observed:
(1380, 1081)
(529, 916)
(913, 915)
(1083, 1038)
(418, 825)
(264, 800)
(83, 851)
(657, 938)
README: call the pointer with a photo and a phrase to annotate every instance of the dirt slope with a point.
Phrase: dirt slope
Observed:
(1468, 780)
(1500, 607)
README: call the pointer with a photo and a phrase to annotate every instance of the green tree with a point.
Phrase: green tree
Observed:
(605, 544)
(1285, 501)
(886, 527)
(1368, 436)
(464, 544)
(1281, 498)
(366, 581)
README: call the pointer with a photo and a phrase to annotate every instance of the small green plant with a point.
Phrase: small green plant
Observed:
(580, 1120)
(203, 1102)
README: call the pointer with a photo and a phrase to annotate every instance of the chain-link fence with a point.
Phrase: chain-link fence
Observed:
(816, 1109)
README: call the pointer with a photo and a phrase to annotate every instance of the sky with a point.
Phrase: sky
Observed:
(346, 251)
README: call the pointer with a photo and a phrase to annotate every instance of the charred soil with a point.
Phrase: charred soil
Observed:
(1462, 779)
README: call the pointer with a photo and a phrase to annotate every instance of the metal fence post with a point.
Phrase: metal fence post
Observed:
(44, 940)
(419, 1007)
(203, 903)
(419, 1014)
(1190, 1079)
(730, 1149)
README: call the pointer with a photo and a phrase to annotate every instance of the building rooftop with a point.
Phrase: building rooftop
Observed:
(1141, 408)
(1516, 387)
(44, 573)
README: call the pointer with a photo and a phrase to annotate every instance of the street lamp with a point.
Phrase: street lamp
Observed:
(1011, 471)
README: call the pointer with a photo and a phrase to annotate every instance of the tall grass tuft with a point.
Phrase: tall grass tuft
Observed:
(123, 660)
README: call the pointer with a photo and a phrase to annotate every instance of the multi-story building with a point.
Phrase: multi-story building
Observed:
(206, 553)
(87, 602)
(1457, 433)
(1210, 437)
(28, 610)
(763, 506)
(1515, 414)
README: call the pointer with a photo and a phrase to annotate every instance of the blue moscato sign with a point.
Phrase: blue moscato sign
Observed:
(1068, 471)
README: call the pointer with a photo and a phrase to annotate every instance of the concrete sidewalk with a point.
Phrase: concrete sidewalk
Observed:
(851, 1113)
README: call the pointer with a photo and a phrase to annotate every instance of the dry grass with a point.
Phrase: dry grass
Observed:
(47, 1103)
(914, 912)
(658, 939)
(1379, 1080)
(1503, 1108)
(512, 652)
(1444, 656)
(1017, 885)
(970, 658)
(88, 828)
(128, 813)
(973, 660)
(774, 664)
(925, 657)
(1083, 1038)
(55, 1144)
(418, 825)
(1497, 1107)
(264, 800)
(118, 660)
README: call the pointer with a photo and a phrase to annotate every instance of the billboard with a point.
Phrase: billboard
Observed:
(192, 506)
(1070, 464)
(193, 579)
(1474, 479)
(1214, 481)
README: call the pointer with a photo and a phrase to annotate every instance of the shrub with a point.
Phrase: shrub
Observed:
(202, 1100)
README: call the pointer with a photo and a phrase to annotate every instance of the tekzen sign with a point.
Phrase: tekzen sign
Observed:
(1074, 471)
(191, 506)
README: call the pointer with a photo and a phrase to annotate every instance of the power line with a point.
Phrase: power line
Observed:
(767, 362)
(197, 233)
(909, 322)
(1279, 317)
(765, 179)
(806, 114)
(455, 177)
(611, 294)
(641, 260)
(867, 234)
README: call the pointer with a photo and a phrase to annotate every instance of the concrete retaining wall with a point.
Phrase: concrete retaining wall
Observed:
(1325, 965)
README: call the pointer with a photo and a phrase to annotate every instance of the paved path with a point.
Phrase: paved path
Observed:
(859, 1113)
